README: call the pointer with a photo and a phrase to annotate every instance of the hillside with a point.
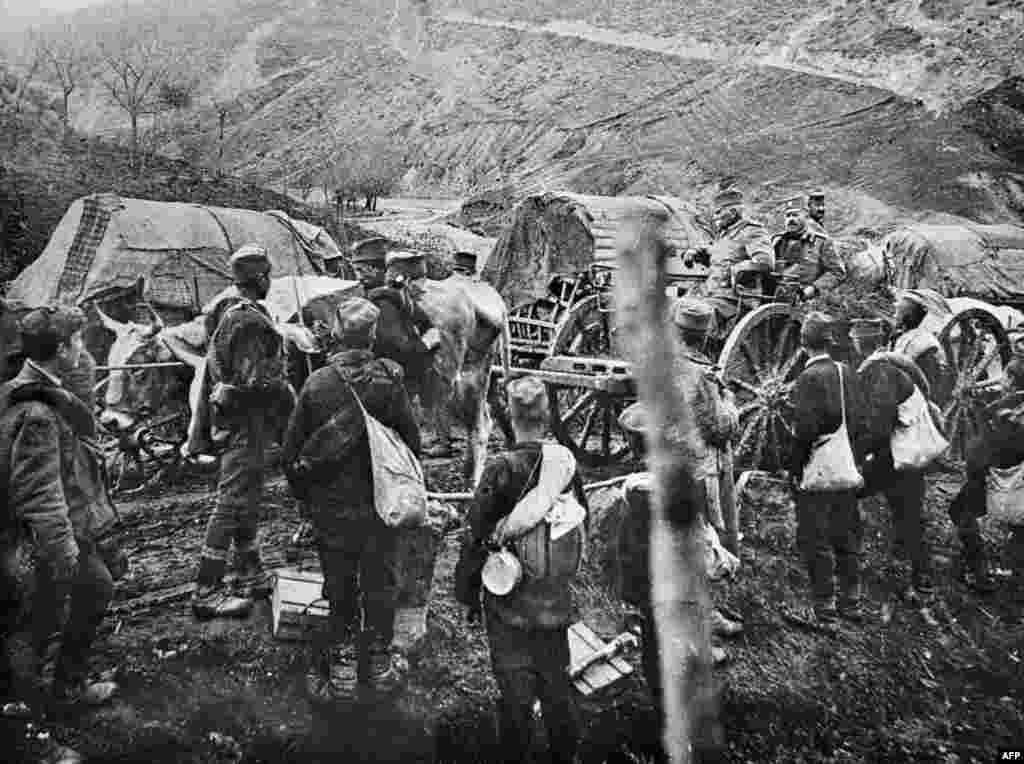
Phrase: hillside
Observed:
(895, 107)
(42, 174)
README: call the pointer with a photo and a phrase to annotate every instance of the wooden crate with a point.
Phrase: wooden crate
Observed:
(297, 606)
(583, 642)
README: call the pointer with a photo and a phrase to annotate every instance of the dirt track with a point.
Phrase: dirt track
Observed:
(902, 691)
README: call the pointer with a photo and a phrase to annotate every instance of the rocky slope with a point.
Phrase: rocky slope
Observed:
(895, 107)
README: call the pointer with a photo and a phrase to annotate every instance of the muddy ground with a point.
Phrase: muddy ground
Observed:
(941, 684)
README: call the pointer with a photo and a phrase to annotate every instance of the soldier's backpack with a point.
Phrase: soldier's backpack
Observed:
(542, 538)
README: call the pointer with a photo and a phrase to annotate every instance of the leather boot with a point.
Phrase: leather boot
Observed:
(251, 580)
(974, 563)
(212, 599)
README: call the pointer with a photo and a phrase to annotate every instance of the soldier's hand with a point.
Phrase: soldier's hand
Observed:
(809, 292)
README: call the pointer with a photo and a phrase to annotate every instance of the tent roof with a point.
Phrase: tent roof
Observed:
(105, 243)
(562, 233)
(982, 261)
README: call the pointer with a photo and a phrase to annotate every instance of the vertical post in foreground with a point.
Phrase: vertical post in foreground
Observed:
(679, 592)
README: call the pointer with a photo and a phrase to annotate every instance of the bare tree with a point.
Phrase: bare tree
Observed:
(65, 56)
(138, 65)
(31, 60)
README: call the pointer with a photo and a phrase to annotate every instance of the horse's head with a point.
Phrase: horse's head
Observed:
(132, 394)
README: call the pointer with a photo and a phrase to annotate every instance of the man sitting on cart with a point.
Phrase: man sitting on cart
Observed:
(739, 240)
(805, 255)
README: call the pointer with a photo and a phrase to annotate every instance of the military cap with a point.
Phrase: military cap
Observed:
(465, 260)
(409, 264)
(816, 329)
(816, 196)
(249, 261)
(52, 324)
(692, 313)
(528, 398)
(355, 320)
(372, 250)
(729, 197)
(867, 327)
(795, 203)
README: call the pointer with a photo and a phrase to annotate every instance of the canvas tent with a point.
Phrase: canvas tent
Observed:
(104, 244)
(562, 233)
(972, 260)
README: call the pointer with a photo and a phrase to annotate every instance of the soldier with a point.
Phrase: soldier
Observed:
(464, 264)
(816, 211)
(999, 444)
(55, 486)
(917, 343)
(829, 528)
(250, 398)
(527, 628)
(403, 329)
(368, 262)
(327, 458)
(807, 254)
(887, 380)
(738, 239)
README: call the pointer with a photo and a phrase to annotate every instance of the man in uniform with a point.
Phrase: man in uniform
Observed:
(250, 397)
(816, 211)
(55, 487)
(999, 444)
(738, 239)
(327, 459)
(464, 264)
(403, 330)
(368, 262)
(917, 343)
(829, 526)
(887, 380)
(807, 254)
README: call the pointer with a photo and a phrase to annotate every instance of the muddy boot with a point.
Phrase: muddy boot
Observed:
(723, 627)
(251, 580)
(212, 599)
(974, 564)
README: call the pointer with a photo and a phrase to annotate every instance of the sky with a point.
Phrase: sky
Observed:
(34, 8)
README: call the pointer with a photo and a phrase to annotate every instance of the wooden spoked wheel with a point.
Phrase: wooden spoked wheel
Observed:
(978, 350)
(585, 420)
(760, 360)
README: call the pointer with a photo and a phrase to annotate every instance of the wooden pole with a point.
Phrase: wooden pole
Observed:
(679, 596)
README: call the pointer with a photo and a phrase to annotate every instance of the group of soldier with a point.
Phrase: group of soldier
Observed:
(56, 486)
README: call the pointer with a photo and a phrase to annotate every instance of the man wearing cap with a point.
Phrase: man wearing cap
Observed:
(404, 333)
(368, 262)
(527, 628)
(807, 254)
(999, 443)
(327, 460)
(917, 343)
(464, 264)
(55, 484)
(829, 530)
(250, 399)
(887, 380)
(816, 211)
(738, 239)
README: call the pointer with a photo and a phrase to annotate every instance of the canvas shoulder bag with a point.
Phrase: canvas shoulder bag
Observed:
(1005, 494)
(832, 466)
(916, 441)
(399, 490)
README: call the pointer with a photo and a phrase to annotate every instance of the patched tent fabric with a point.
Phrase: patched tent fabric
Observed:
(981, 261)
(104, 244)
(561, 233)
